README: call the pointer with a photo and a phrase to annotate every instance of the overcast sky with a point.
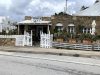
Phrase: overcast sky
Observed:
(17, 9)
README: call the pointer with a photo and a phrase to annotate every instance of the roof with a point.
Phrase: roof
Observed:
(91, 11)
(34, 22)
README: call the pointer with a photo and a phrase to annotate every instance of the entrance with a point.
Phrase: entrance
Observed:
(39, 28)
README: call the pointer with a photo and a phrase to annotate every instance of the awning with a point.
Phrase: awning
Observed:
(71, 25)
(31, 22)
(59, 24)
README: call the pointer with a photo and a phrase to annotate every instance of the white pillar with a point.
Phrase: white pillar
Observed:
(48, 30)
(90, 31)
(70, 29)
(83, 30)
(86, 30)
(73, 30)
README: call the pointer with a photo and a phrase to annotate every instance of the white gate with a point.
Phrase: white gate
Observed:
(24, 40)
(27, 39)
(46, 40)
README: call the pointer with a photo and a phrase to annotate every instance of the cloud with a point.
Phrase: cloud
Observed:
(17, 9)
(46, 7)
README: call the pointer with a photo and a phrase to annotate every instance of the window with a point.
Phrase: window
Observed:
(71, 28)
(87, 30)
(59, 27)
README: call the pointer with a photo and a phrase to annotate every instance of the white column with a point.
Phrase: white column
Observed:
(83, 30)
(90, 31)
(73, 30)
(48, 30)
(70, 29)
(86, 30)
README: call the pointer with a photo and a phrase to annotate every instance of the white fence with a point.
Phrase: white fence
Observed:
(21, 40)
(76, 46)
(46, 40)
(25, 40)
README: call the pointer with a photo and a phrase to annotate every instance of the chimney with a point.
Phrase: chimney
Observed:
(28, 17)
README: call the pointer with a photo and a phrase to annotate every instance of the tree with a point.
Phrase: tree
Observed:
(55, 14)
(61, 13)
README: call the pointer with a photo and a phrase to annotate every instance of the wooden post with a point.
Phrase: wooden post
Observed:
(18, 29)
(48, 30)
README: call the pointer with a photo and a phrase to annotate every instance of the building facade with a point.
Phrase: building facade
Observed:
(76, 24)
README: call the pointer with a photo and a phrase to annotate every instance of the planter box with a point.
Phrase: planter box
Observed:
(60, 40)
(72, 41)
(87, 42)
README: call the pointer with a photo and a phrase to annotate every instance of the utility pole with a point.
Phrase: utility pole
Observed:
(66, 5)
(65, 8)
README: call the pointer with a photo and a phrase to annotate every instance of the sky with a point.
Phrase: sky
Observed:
(17, 9)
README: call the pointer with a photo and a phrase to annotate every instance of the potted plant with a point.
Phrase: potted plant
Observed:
(86, 38)
(59, 37)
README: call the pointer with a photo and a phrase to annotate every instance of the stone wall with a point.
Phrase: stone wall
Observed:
(76, 20)
(7, 42)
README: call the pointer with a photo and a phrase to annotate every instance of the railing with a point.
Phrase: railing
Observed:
(77, 46)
